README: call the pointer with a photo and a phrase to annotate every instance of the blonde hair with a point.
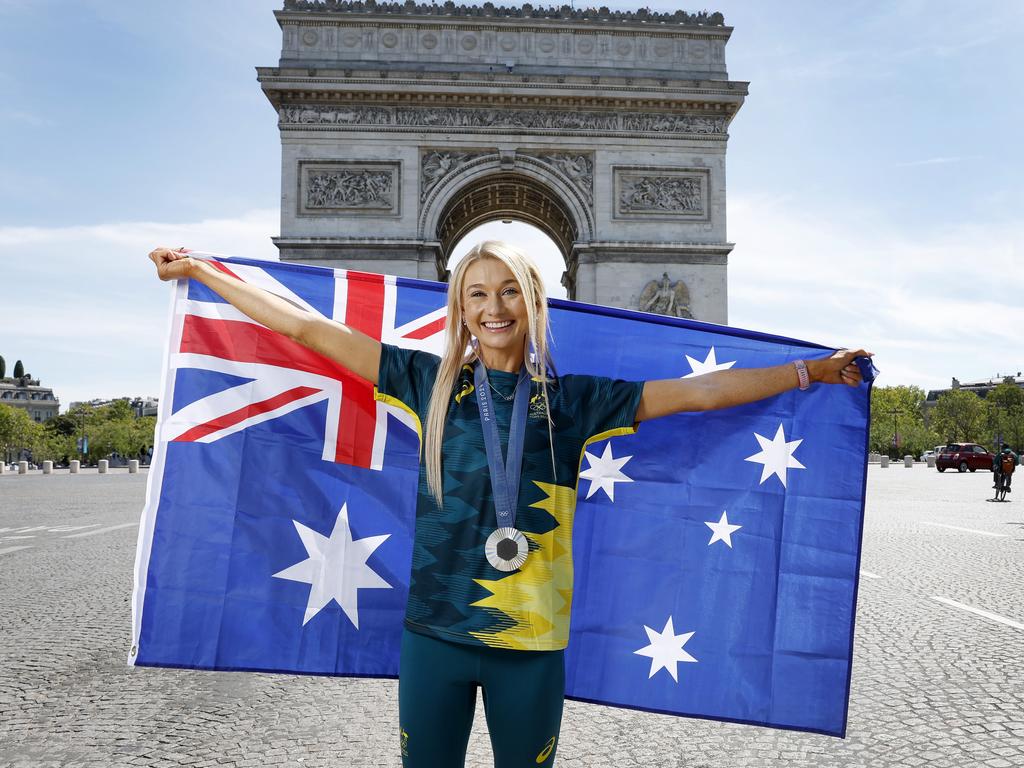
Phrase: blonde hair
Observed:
(458, 350)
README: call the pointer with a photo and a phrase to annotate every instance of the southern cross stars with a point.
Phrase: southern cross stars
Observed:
(336, 568)
(604, 472)
(698, 368)
(666, 649)
(722, 530)
(776, 456)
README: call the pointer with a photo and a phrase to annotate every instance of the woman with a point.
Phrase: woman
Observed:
(491, 580)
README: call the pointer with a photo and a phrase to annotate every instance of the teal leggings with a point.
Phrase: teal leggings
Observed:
(523, 693)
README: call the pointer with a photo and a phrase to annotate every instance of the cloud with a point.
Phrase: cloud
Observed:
(83, 307)
(935, 161)
(930, 305)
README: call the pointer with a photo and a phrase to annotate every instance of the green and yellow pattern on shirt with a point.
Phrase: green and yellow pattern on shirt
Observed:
(454, 593)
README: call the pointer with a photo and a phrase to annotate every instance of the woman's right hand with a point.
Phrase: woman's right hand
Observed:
(172, 264)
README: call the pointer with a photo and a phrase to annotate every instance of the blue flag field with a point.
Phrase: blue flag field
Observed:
(716, 555)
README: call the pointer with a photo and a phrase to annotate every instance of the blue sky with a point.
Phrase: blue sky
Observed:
(874, 177)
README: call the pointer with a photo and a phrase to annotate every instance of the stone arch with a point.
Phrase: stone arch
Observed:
(495, 186)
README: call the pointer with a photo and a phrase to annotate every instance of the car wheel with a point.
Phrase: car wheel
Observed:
(941, 469)
(962, 467)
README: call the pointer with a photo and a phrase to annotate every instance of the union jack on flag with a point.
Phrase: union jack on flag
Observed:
(715, 555)
(282, 375)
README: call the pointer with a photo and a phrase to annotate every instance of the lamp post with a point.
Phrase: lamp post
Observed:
(895, 430)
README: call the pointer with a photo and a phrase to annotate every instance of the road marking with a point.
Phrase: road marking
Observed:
(11, 538)
(98, 530)
(969, 530)
(870, 575)
(14, 549)
(30, 528)
(980, 612)
(69, 528)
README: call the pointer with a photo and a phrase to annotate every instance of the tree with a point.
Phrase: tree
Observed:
(1006, 413)
(899, 411)
(959, 416)
(17, 431)
(19, 370)
(3, 367)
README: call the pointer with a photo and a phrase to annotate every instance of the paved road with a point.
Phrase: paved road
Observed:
(938, 673)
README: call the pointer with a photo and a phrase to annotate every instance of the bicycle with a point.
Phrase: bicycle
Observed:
(1002, 485)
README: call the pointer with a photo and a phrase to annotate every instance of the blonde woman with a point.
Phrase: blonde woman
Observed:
(502, 437)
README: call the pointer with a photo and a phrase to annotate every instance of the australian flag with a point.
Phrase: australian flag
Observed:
(716, 554)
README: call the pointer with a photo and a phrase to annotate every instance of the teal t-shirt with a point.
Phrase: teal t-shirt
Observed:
(454, 592)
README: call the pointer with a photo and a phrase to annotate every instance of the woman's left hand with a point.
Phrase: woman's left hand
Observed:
(838, 369)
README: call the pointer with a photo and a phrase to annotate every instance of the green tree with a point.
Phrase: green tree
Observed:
(899, 411)
(959, 416)
(19, 370)
(1006, 413)
(3, 367)
(17, 431)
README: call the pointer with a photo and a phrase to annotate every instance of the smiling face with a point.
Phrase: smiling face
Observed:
(495, 312)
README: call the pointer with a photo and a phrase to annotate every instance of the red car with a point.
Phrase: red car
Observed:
(963, 457)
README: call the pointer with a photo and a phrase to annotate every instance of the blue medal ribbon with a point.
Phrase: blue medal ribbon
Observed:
(504, 478)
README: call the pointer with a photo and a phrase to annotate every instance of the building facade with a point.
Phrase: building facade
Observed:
(29, 395)
(405, 126)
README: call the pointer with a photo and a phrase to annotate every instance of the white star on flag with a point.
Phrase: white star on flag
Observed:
(776, 455)
(604, 472)
(666, 649)
(722, 530)
(710, 364)
(336, 568)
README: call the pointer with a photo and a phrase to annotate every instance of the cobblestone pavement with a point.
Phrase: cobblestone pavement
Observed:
(933, 683)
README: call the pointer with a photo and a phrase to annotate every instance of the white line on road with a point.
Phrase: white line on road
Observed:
(980, 612)
(30, 528)
(14, 549)
(98, 530)
(870, 575)
(11, 538)
(69, 528)
(969, 530)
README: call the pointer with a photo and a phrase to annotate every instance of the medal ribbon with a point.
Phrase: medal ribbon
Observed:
(504, 479)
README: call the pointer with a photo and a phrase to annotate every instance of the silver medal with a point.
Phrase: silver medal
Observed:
(506, 549)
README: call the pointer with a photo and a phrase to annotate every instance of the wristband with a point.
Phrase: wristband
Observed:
(801, 374)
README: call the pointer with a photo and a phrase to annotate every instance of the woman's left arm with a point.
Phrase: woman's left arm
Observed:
(724, 389)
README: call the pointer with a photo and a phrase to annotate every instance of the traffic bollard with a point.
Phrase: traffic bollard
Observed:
(103, 463)
(75, 464)
(133, 466)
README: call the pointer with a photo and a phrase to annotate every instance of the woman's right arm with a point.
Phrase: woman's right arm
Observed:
(347, 346)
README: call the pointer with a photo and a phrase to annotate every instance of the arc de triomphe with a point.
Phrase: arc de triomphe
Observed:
(405, 126)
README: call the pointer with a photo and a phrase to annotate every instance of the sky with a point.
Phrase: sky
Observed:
(875, 183)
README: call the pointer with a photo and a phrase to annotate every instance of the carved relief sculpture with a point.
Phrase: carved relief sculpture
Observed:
(350, 189)
(434, 166)
(661, 194)
(578, 168)
(330, 187)
(526, 118)
(664, 297)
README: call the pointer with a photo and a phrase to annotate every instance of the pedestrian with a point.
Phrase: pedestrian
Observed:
(502, 436)
(1003, 466)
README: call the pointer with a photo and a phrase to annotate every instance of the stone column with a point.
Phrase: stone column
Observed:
(75, 464)
(3, 467)
(908, 461)
(133, 466)
(103, 464)
(22, 467)
(47, 467)
(884, 461)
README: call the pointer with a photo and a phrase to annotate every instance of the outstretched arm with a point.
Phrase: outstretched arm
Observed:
(347, 346)
(723, 389)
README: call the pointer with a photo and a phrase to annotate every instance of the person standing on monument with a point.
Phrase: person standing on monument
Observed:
(502, 435)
